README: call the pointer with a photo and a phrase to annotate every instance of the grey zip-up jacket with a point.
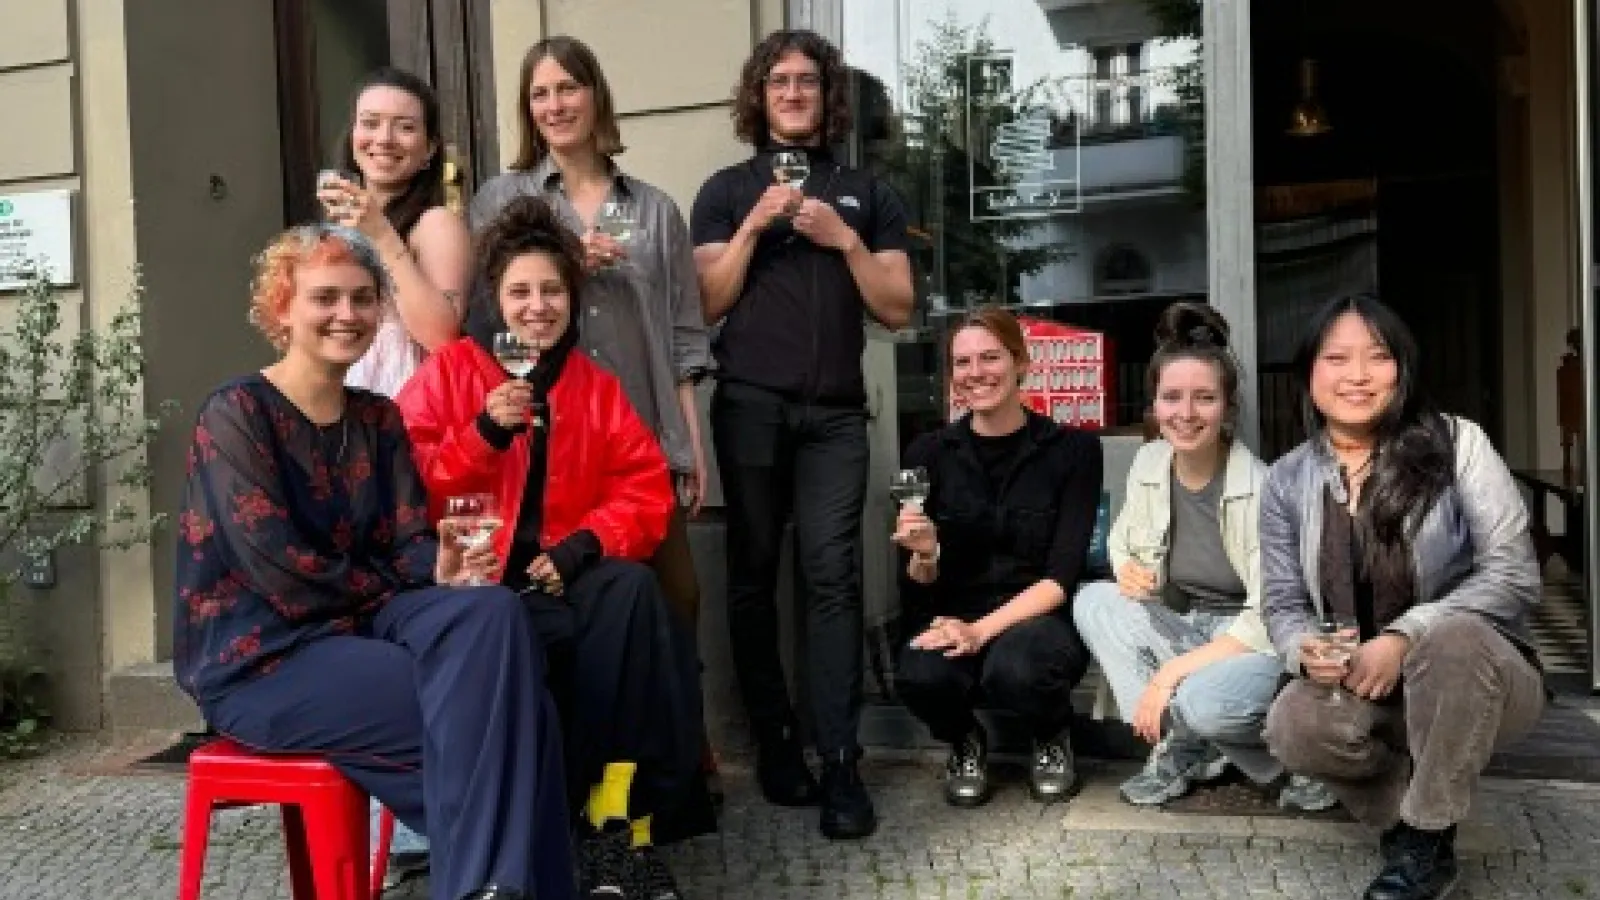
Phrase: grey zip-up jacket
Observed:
(1471, 553)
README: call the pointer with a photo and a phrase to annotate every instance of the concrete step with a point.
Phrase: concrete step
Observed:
(147, 698)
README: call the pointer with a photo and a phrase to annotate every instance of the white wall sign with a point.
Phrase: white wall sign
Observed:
(35, 229)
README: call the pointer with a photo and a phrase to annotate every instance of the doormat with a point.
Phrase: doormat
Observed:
(1235, 795)
(174, 758)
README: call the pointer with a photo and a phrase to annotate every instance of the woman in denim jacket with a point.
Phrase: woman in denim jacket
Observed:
(1401, 527)
(1179, 633)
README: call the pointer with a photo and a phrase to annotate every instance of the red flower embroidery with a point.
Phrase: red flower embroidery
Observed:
(254, 505)
(195, 526)
(243, 399)
(204, 445)
(204, 605)
(293, 612)
(357, 473)
(321, 482)
(284, 425)
(405, 515)
(305, 562)
(242, 647)
(363, 582)
(383, 532)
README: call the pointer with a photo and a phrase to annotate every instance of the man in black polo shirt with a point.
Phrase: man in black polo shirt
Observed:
(790, 271)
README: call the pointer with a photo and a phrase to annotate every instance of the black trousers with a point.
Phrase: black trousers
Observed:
(626, 679)
(780, 459)
(1030, 670)
(441, 713)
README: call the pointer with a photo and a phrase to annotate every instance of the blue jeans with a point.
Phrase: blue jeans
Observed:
(405, 840)
(1224, 703)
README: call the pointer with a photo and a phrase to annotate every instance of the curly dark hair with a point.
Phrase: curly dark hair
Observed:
(526, 225)
(750, 95)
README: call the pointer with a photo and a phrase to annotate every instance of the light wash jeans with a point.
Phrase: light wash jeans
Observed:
(1224, 703)
(405, 840)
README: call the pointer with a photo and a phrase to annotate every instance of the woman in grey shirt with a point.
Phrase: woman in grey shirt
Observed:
(641, 311)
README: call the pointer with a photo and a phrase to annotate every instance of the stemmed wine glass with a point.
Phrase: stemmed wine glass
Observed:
(515, 355)
(476, 517)
(617, 219)
(910, 487)
(1341, 635)
(792, 168)
(329, 179)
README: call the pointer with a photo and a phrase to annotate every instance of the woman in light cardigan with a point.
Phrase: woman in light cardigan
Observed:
(1179, 634)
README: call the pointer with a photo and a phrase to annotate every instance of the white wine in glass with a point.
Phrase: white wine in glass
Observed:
(910, 487)
(617, 220)
(791, 167)
(476, 518)
(515, 355)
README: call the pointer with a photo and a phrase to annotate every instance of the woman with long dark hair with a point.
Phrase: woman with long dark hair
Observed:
(584, 498)
(1179, 632)
(1397, 531)
(393, 142)
(317, 611)
(992, 556)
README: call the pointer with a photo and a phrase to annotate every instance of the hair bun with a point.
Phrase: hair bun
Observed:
(1187, 324)
(530, 215)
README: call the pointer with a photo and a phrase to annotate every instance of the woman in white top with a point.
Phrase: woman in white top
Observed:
(394, 143)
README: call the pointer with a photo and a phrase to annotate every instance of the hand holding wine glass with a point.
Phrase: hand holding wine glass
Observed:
(469, 524)
(910, 488)
(516, 356)
(1331, 650)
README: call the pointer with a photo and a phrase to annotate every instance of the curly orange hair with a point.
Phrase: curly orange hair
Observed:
(272, 286)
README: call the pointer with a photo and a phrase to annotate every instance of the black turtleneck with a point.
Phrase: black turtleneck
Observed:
(575, 553)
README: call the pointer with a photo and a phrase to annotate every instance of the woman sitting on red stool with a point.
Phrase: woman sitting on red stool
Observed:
(317, 612)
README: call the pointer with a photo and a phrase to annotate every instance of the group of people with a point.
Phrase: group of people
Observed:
(1348, 626)
(531, 703)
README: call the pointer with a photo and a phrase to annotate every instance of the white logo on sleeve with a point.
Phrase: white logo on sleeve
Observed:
(850, 201)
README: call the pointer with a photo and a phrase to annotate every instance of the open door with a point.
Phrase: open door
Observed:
(325, 47)
(1588, 95)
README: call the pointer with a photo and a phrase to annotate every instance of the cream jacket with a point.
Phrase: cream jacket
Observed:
(1142, 529)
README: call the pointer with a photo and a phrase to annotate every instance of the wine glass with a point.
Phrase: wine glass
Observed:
(1341, 635)
(617, 219)
(910, 487)
(515, 355)
(791, 167)
(330, 179)
(476, 518)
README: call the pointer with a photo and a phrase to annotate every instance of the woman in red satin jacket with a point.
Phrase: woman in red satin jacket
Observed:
(584, 495)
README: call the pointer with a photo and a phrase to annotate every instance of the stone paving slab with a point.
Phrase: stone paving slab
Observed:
(68, 832)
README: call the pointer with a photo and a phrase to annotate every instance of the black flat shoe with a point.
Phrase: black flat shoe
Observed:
(782, 772)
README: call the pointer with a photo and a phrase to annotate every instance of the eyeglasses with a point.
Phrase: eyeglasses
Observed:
(806, 81)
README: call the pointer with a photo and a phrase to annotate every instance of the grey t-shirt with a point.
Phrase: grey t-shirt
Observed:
(1199, 575)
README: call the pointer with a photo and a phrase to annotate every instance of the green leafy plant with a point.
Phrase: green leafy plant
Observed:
(74, 431)
(1182, 19)
(23, 714)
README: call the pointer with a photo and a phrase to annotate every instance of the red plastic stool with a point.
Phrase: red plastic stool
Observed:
(324, 819)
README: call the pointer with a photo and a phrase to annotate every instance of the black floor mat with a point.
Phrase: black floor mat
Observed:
(175, 757)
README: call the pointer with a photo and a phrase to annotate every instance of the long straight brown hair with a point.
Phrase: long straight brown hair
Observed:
(579, 61)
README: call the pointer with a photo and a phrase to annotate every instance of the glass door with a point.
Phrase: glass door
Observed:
(1051, 154)
(1587, 33)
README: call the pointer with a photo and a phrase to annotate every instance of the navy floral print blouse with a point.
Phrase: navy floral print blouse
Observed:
(290, 531)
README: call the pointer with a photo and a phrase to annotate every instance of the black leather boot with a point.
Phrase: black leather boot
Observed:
(1418, 865)
(847, 811)
(782, 772)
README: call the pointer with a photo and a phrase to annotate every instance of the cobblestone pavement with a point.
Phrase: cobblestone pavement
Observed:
(68, 833)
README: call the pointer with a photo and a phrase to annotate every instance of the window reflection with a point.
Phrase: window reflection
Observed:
(1051, 155)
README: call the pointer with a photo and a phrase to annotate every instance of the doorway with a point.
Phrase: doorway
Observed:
(325, 48)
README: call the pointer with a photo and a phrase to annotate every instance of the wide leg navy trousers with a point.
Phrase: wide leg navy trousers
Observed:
(441, 713)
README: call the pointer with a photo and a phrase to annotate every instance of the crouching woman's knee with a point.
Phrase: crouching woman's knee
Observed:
(1302, 728)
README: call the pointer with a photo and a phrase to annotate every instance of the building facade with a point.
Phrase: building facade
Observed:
(1083, 161)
